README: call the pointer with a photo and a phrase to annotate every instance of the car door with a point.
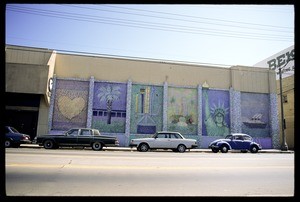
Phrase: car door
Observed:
(69, 139)
(174, 140)
(85, 136)
(238, 143)
(161, 141)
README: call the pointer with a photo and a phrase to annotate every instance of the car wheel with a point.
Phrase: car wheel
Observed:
(143, 147)
(224, 149)
(181, 148)
(97, 146)
(49, 144)
(254, 149)
(7, 143)
(214, 150)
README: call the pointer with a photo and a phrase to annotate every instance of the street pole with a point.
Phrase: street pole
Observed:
(284, 146)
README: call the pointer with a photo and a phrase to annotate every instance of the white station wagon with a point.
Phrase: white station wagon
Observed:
(164, 140)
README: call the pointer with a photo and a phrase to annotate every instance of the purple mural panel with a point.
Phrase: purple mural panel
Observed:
(109, 107)
(70, 104)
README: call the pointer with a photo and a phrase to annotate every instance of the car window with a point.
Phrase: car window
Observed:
(162, 136)
(238, 137)
(73, 132)
(96, 132)
(228, 137)
(174, 136)
(14, 130)
(86, 132)
(247, 138)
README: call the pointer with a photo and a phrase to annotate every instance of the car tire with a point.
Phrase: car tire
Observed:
(214, 150)
(97, 146)
(49, 144)
(224, 148)
(181, 148)
(143, 147)
(254, 149)
(7, 143)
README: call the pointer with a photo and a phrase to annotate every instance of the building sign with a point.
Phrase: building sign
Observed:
(284, 60)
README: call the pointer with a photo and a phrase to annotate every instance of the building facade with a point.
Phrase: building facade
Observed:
(132, 97)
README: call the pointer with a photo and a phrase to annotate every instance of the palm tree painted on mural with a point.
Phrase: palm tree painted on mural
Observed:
(109, 94)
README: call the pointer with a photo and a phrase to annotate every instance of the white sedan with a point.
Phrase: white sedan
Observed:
(164, 140)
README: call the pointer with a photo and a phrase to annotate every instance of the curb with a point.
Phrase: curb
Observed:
(191, 150)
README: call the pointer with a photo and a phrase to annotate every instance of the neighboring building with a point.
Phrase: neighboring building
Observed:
(284, 60)
(133, 97)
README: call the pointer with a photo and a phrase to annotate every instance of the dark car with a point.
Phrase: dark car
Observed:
(84, 137)
(235, 141)
(13, 138)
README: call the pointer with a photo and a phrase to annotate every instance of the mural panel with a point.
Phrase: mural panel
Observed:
(182, 110)
(255, 114)
(146, 109)
(70, 104)
(215, 113)
(109, 107)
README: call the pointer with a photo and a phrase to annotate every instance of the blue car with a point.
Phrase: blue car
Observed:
(235, 141)
(14, 138)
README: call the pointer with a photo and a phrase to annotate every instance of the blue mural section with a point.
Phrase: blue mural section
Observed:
(70, 104)
(215, 113)
(109, 107)
(255, 114)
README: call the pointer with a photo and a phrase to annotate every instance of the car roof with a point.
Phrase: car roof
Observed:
(243, 134)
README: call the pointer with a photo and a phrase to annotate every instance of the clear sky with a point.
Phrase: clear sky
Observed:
(217, 34)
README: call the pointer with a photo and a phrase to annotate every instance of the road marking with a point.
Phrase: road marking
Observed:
(135, 167)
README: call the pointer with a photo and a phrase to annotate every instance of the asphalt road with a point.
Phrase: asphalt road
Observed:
(77, 172)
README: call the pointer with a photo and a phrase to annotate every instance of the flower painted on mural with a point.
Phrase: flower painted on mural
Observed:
(109, 94)
(70, 108)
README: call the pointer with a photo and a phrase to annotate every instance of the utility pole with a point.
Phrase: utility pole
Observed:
(284, 146)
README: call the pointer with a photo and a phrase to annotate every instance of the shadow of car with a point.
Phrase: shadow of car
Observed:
(13, 138)
(164, 140)
(235, 141)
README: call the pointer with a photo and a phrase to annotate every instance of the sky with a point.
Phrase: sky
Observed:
(223, 35)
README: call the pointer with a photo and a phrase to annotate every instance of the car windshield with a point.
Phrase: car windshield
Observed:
(228, 137)
(14, 130)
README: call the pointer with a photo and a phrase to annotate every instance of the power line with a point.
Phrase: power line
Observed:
(147, 25)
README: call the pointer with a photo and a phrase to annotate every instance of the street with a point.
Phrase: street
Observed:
(78, 172)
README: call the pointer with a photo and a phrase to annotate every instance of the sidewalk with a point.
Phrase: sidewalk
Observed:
(192, 150)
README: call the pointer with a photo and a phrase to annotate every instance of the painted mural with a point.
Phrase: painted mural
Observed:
(109, 107)
(182, 110)
(255, 114)
(215, 113)
(70, 104)
(146, 109)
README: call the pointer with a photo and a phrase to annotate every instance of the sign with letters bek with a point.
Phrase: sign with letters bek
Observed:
(284, 60)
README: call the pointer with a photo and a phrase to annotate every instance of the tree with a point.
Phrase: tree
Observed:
(109, 94)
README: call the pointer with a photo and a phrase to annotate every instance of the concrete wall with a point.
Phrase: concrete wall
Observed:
(248, 79)
(288, 109)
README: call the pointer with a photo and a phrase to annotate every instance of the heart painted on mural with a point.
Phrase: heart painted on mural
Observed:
(70, 107)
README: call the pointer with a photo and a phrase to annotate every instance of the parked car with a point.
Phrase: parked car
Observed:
(164, 140)
(85, 137)
(235, 141)
(13, 138)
